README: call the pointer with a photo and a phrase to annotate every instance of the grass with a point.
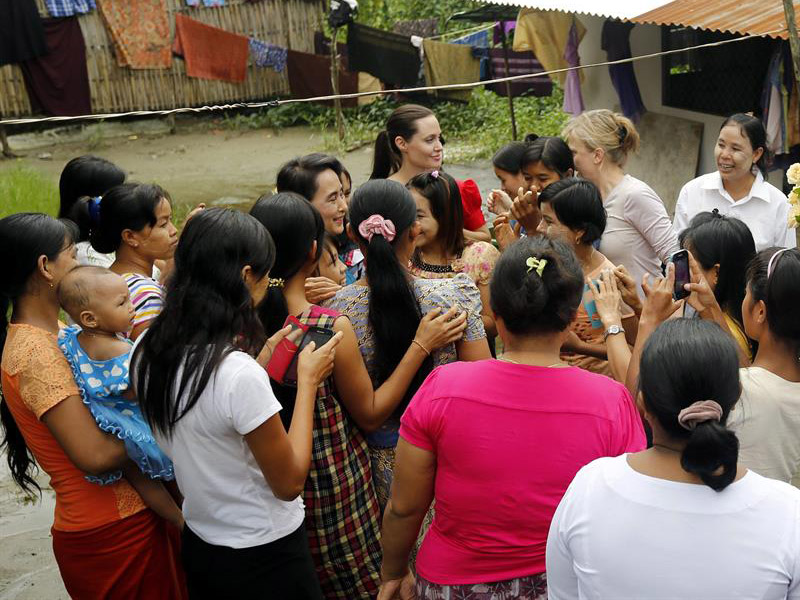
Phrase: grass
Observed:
(23, 189)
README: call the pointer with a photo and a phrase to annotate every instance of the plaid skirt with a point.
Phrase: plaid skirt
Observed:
(530, 587)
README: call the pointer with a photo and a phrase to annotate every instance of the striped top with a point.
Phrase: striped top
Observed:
(147, 297)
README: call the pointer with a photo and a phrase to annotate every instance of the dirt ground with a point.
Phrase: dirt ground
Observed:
(197, 164)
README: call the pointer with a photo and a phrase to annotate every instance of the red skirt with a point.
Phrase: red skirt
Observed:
(136, 557)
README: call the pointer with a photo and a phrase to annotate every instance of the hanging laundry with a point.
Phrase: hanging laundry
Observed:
(210, 52)
(206, 2)
(388, 56)
(268, 55)
(140, 31)
(21, 31)
(479, 42)
(616, 41)
(310, 76)
(573, 100)
(368, 83)
(503, 27)
(68, 8)
(546, 33)
(450, 63)
(58, 83)
(519, 63)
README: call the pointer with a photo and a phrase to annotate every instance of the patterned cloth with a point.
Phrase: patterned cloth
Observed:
(353, 301)
(102, 384)
(477, 261)
(141, 33)
(147, 297)
(268, 55)
(206, 2)
(342, 514)
(533, 587)
(68, 8)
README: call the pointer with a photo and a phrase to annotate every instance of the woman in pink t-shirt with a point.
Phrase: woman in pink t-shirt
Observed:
(499, 442)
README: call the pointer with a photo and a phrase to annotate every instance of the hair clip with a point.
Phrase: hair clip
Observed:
(276, 283)
(435, 174)
(716, 213)
(536, 264)
(622, 133)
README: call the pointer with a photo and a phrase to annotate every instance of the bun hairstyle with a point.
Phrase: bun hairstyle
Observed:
(578, 205)
(685, 361)
(442, 192)
(551, 151)
(602, 128)
(753, 129)
(402, 122)
(127, 206)
(779, 289)
(715, 239)
(394, 313)
(85, 177)
(299, 175)
(208, 313)
(294, 225)
(24, 237)
(531, 303)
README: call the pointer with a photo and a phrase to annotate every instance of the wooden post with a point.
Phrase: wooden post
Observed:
(4, 143)
(794, 42)
(337, 103)
(508, 83)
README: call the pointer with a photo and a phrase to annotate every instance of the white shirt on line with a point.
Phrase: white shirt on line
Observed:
(765, 210)
(618, 534)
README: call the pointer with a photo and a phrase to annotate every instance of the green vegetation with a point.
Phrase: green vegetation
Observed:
(383, 14)
(23, 189)
(473, 130)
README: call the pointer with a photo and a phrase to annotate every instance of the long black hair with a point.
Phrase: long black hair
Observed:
(716, 239)
(578, 205)
(443, 194)
(530, 303)
(394, 313)
(779, 289)
(685, 361)
(402, 122)
(85, 177)
(551, 151)
(24, 237)
(127, 206)
(208, 313)
(508, 158)
(753, 129)
(294, 225)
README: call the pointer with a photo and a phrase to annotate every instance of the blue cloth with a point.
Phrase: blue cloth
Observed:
(206, 2)
(268, 55)
(615, 40)
(68, 8)
(102, 384)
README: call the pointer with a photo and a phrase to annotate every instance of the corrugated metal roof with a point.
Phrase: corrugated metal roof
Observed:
(754, 17)
(620, 9)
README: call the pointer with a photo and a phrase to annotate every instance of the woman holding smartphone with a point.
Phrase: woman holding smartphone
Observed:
(342, 512)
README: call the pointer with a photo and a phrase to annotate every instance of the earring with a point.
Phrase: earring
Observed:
(50, 283)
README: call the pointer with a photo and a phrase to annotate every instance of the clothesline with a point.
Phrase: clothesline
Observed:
(452, 86)
(460, 32)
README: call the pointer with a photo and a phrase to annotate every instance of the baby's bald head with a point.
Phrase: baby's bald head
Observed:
(83, 286)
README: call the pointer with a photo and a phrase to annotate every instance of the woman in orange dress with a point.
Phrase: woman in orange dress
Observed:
(106, 542)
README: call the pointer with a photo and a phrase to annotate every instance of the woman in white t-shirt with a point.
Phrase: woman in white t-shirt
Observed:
(639, 234)
(738, 187)
(681, 519)
(213, 412)
(767, 418)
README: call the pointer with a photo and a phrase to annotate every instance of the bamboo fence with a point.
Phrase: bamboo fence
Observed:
(288, 23)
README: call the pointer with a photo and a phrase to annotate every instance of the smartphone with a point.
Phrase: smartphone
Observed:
(681, 261)
(590, 306)
(320, 336)
(286, 350)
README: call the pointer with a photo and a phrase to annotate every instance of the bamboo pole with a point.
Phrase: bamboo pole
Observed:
(794, 42)
(508, 84)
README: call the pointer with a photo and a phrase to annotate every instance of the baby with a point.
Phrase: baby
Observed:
(98, 302)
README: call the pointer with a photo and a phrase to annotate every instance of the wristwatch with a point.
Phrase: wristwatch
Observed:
(613, 330)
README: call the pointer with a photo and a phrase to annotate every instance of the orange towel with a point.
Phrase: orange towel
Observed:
(140, 31)
(210, 52)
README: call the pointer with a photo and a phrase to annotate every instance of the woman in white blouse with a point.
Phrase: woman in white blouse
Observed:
(639, 233)
(737, 188)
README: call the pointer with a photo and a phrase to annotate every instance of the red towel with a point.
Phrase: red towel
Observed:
(210, 52)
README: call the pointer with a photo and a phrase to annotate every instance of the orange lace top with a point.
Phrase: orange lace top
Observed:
(35, 378)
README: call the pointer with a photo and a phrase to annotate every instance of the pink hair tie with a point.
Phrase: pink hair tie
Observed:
(699, 412)
(377, 225)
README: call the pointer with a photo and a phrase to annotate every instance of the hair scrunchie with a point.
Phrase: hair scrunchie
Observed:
(699, 412)
(377, 225)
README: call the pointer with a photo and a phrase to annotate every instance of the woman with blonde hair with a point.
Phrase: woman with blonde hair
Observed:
(639, 233)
